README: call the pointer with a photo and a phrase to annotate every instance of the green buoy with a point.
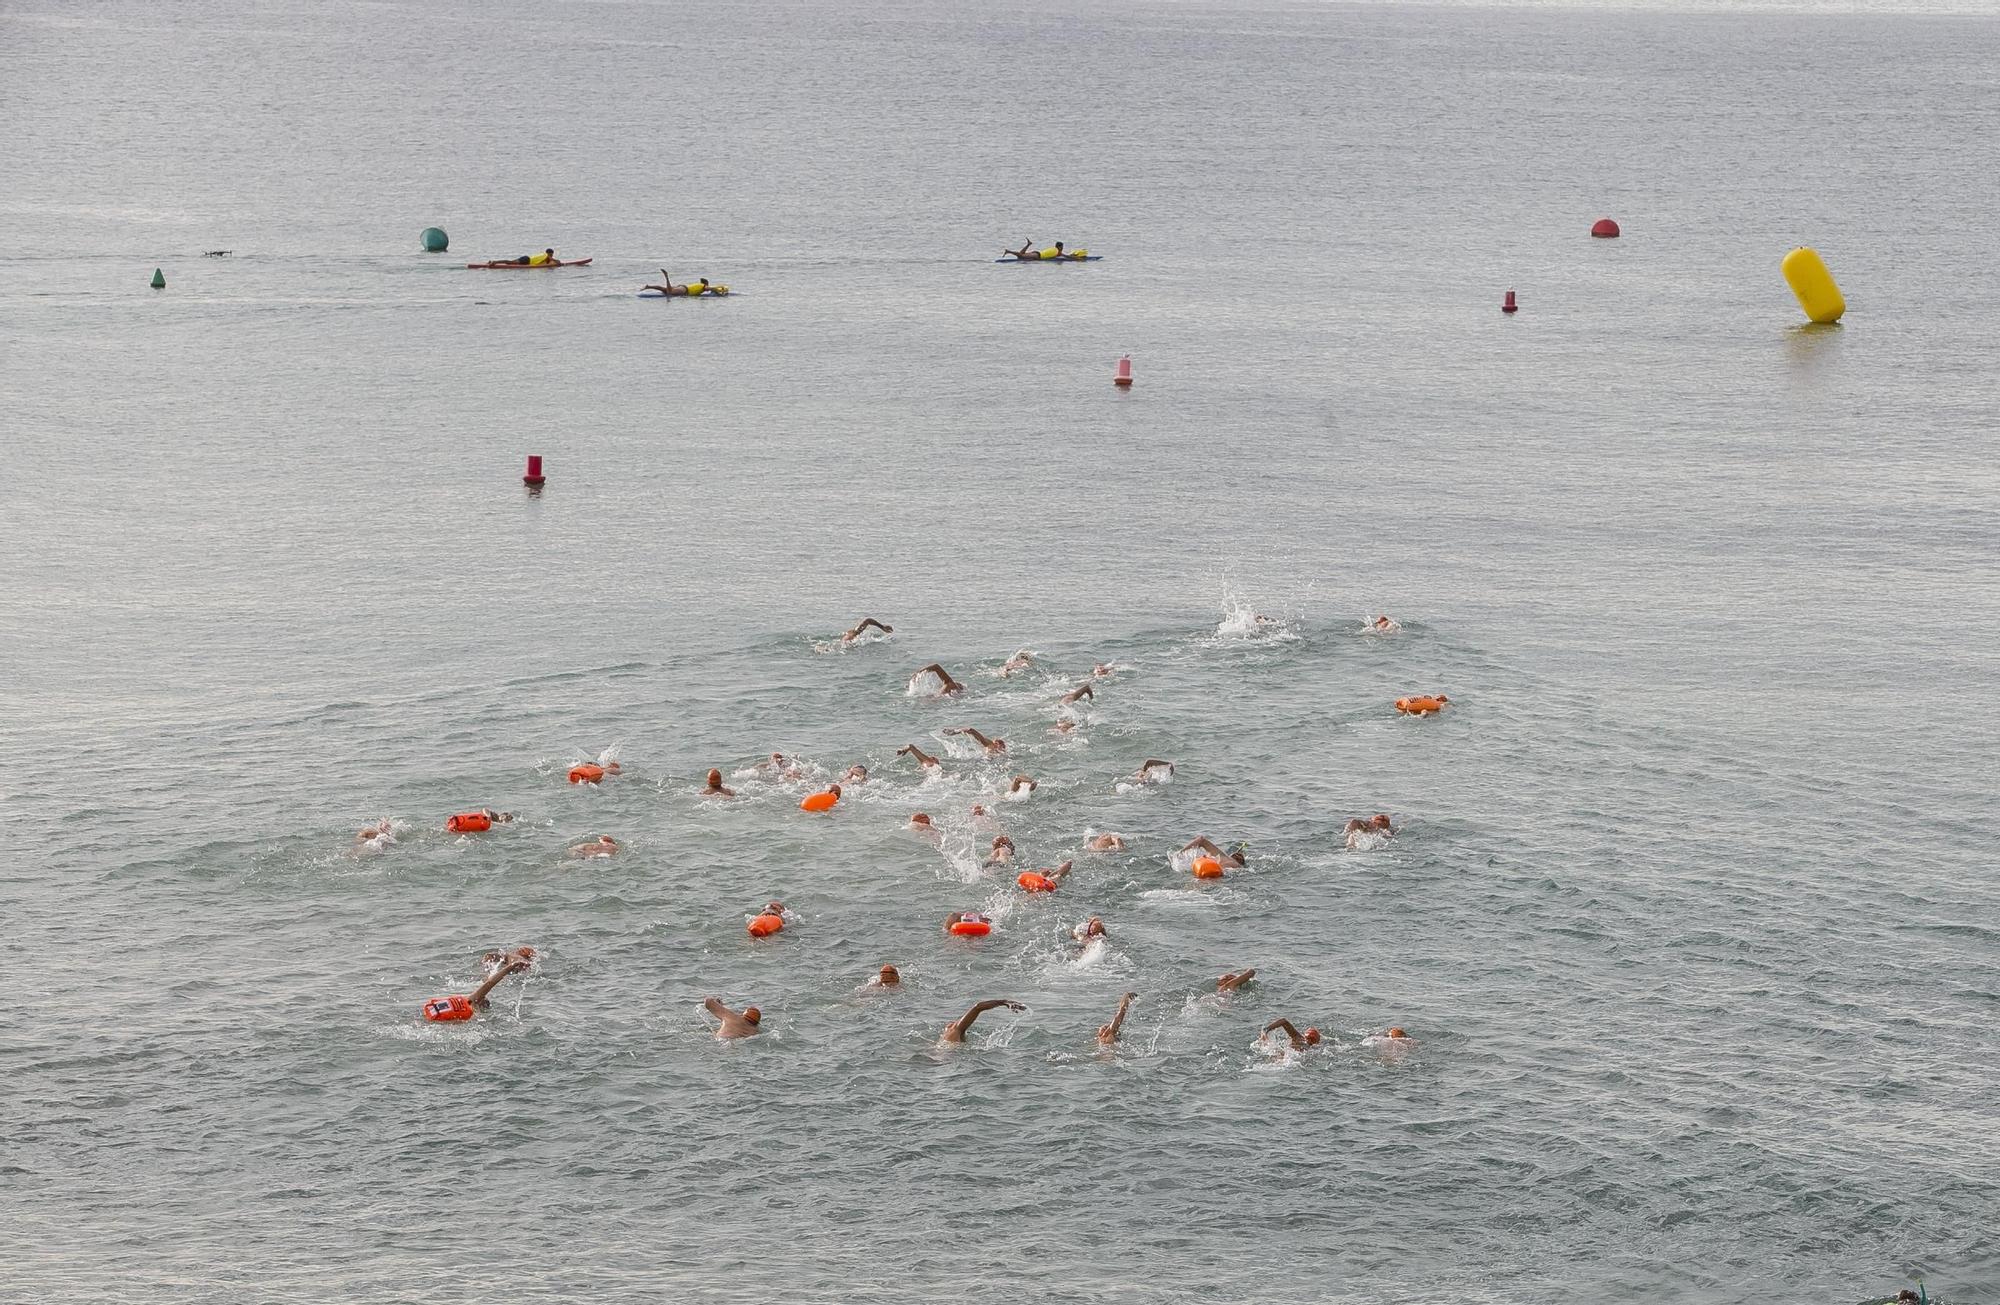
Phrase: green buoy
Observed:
(435, 240)
(159, 280)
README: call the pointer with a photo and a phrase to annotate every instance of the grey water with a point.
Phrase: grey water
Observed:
(1692, 917)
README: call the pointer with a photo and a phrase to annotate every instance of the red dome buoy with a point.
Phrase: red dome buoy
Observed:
(1508, 305)
(534, 476)
(1605, 229)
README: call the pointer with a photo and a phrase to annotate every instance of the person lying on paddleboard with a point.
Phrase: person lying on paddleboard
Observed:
(673, 291)
(543, 259)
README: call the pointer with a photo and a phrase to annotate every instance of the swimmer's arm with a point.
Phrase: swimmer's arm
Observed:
(720, 1011)
(1206, 846)
(1109, 1033)
(1231, 982)
(478, 997)
(963, 1024)
(1298, 1043)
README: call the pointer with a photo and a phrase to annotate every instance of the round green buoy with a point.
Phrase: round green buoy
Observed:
(159, 279)
(435, 240)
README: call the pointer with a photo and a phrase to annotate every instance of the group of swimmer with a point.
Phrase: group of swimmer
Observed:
(1201, 856)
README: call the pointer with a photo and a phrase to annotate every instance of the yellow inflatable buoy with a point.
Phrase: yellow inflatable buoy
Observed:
(1814, 286)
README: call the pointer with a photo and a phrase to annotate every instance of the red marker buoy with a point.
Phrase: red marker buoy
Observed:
(534, 476)
(1124, 378)
(1605, 229)
(1508, 305)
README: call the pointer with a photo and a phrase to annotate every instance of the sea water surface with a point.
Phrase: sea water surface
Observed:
(1692, 917)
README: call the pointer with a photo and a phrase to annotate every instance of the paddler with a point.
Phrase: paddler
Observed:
(546, 258)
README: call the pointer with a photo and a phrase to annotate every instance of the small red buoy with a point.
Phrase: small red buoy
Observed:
(1509, 306)
(534, 476)
(1605, 229)
(1124, 378)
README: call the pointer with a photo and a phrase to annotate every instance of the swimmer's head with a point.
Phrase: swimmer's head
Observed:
(1241, 852)
(774, 908)
(833, 789)
(1059, 246)
(550, 252)
(889, 978)
(1095, 929)
(751, 1015)
(1001, 840)
(715, 779)
(1312, 1037)
(1380, 820)
(1397, 1032)
(607, 840)
(920, 819)
(953, 918)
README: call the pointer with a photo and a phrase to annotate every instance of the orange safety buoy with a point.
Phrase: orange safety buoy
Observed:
(469, 822)
(588, 773)
(1207, 867)
(1423, 705)
(1036, 883)
(973, 927)
(449, 1010)
(820, 801)
(765, 925)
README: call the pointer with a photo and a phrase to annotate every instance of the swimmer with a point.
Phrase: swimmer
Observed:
(715, 786)
(611, 767)
(982, 816)
(887, 977)
(602, 845)
(1091, 928)
(377, 836)
(992, 746)
(944, 678)
(924, 759)
(1359, 830)
(1231, 982)
(1235, 857)
(1103, 670)
(1300, 1041)
(1021, 784)
(1080, 691)
(955, 1031)
(1003, 850)
(498, 966)
(1062, 727)
(1383, 625)
(732, 1024)
(1020, 661)
(921, 823)
(1154, 771)
(867, 623)
(1044, 881)
(1107, 1034)
(776, 765)
(1105, 843)
(854, 775)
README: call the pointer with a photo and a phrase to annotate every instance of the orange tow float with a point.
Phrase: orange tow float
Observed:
(821, 801)
(1423, 705)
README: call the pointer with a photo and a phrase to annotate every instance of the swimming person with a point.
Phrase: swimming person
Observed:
(1154, 771)
(955, 1031)
(1105, 843)
(1234, 858)
(602, 845)
(779, 768)
(921, 823)
(1383, 625)
(854, 775)
(948, 684)
(1081, 691)
(1300, 1041)
(1003, 850)
(1020, 661)
(498, 965)
(1232, 981)
(867, 623)
(1376, 828)
(1043, 881)
(715, 786)
(992, 746)
(477, 822)
(1021, 785)
(887, 977)
(1089, 929)
(733, 1024)
(924, 759)
(1107, 1034)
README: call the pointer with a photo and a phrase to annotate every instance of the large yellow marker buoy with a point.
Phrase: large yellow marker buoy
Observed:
(1814, 286)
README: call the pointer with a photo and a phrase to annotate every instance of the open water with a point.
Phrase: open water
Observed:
(1693, 917)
